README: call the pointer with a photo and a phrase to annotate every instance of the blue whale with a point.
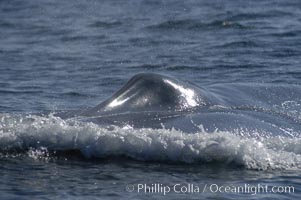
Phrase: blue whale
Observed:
(150, 100)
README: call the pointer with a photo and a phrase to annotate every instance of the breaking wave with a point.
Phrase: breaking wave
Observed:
(38, 135)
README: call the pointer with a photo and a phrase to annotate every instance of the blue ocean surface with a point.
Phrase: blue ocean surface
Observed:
(60, 56)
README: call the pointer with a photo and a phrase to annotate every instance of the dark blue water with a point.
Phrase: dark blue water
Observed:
(66, 55)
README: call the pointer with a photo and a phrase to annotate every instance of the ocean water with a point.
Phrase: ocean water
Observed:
(69, 55)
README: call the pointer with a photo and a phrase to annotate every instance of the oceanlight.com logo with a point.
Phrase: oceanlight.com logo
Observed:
(157, 188)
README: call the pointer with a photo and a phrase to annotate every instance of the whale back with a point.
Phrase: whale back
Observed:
(151, 92)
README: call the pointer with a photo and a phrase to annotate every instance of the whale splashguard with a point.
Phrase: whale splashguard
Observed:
(156, 101)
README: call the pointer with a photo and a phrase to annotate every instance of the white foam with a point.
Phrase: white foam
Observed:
(52, 133)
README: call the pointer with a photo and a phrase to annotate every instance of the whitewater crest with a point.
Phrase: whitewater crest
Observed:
(38, 135)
